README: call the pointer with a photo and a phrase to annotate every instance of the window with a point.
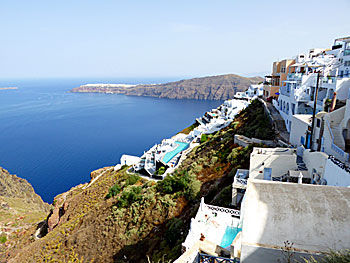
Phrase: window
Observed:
(318, 123)
(347, 63)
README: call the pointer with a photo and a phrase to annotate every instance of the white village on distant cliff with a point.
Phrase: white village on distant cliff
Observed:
(296, 191)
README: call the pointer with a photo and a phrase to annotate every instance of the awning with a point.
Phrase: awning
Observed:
(298, 65)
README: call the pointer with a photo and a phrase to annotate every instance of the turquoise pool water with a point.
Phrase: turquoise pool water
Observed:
(170, 155)
(229, 236)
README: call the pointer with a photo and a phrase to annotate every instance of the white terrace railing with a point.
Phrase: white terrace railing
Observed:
(223, 210)
(240, 181)
(335, 147)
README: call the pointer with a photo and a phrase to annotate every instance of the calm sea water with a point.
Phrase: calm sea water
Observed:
(54, 138)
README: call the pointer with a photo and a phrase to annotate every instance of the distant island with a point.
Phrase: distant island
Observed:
(220, 87)
(7, 88)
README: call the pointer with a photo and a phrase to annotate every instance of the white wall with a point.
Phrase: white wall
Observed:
(298, 130)
(335, 175)
(129, 159)
(315, 160)
(280, 164)
(342, 88)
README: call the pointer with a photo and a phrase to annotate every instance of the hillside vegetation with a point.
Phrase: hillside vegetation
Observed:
(207, 88)
(125, 218)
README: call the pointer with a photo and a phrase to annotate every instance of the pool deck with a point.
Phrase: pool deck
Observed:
(170, 155)
(212, 224)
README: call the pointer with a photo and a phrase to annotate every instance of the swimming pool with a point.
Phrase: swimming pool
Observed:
(229, 236)
(170, 155)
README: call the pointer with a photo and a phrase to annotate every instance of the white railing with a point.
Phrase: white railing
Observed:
(240, 181)
(335, 147)
(224, 210)
(339, 163)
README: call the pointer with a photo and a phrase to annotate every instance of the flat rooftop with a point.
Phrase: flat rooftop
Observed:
(273, 151)
(313, 218)
(306, 118)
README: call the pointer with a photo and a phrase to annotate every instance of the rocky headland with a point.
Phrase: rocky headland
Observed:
(221, 87)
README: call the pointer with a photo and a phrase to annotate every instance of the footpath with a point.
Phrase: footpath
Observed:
(276, 120)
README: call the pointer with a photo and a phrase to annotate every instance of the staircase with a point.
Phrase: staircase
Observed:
(338, 136)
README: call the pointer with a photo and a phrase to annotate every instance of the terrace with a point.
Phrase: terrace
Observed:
(217, 225)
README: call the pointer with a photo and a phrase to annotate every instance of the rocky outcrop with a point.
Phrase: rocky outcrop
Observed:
(54, 217)
(12, 186)
(221, 87)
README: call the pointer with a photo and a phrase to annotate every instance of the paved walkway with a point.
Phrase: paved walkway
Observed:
(277, 120)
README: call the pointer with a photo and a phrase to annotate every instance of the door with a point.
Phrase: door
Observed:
(267, 174)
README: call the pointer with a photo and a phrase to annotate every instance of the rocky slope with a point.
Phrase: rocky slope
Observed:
(21, 209)
(208, 88)
(120, 217)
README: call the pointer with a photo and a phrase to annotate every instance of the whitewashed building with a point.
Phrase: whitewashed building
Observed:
(314, 219)
(253, 92)
(297, 96)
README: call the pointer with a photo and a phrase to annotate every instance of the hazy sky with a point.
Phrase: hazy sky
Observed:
(185, 38)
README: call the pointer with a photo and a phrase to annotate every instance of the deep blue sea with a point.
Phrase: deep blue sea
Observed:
(54, 138)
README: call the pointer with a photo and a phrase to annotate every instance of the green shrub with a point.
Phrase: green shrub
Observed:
(3, 239)
(184, 184)
(239, 157)
(132, 179)
(129, 196)
(124, 166)
(173, 233)
(204, 138)
(161, 170)
(113, 191)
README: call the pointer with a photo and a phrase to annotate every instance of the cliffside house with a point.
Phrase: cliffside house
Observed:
(253, 92)
(273, 82)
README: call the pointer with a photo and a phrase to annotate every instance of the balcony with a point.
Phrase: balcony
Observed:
(241, 179)
(294, 76)
(285, 90)
(329, 80)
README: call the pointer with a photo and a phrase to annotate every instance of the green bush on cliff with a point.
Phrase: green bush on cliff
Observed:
(129, 196)
(239, 157)
(131, 179)
(174, 230)
(113, 191)
(184, 184)
(3, 239)
(204, 138)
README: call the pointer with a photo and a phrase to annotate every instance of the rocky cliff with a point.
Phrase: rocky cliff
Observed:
(221, 87)
(21, 210)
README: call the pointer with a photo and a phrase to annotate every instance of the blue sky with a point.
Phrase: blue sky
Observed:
(84, 38)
